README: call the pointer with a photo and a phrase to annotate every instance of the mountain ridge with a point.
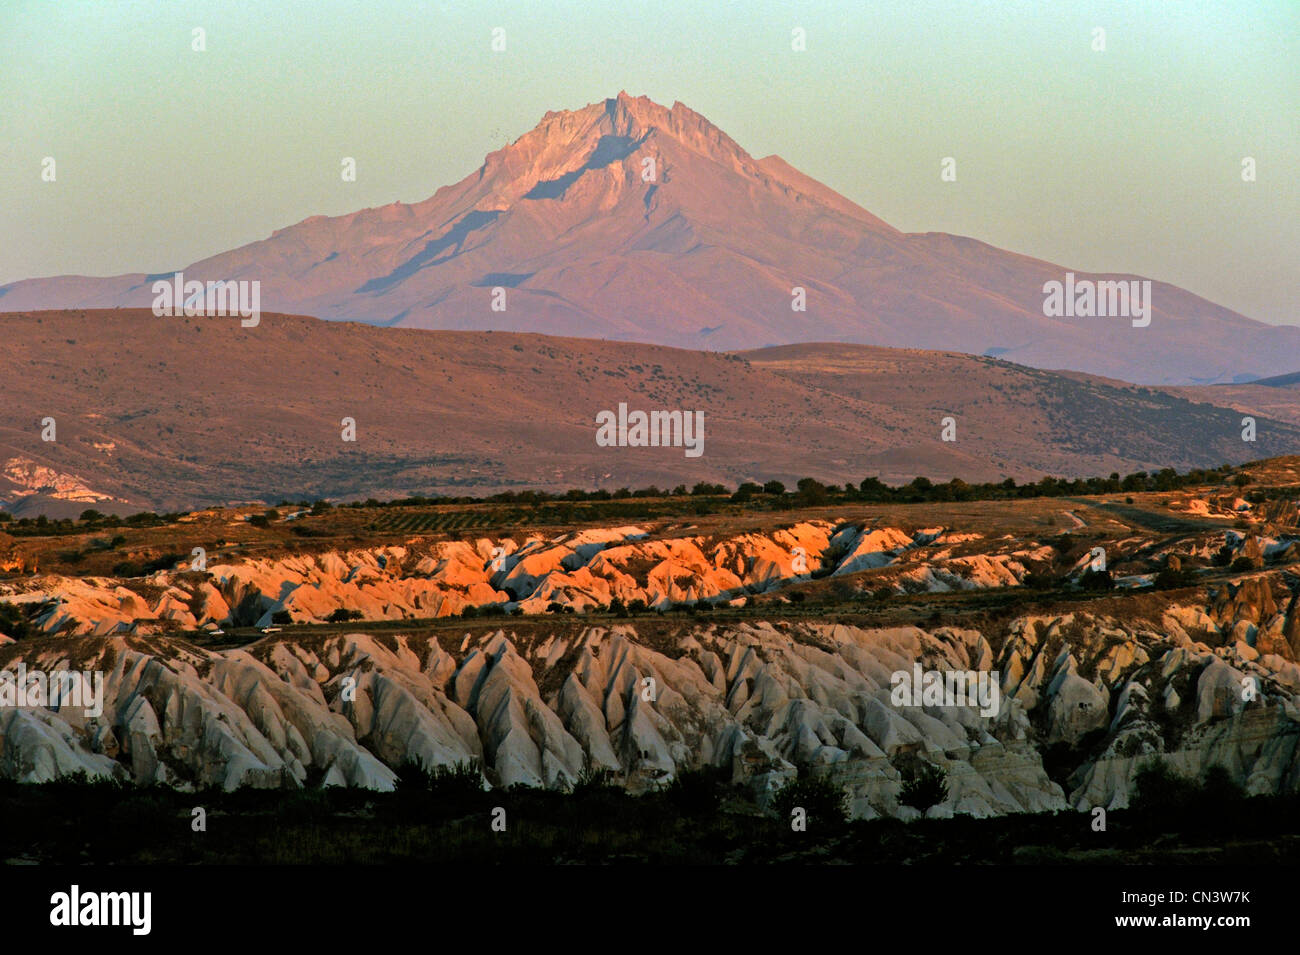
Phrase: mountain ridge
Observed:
(631, 221)
(170, 413)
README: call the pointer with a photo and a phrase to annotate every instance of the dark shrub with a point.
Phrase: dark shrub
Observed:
(1168, 579)
(1097, 580)
(825, 803)
(924, 785)
(696, 792)
(13, 622)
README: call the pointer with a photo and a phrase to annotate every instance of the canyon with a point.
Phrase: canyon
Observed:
(760, 646)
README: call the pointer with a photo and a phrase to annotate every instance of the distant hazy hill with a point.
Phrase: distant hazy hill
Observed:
(174, 412)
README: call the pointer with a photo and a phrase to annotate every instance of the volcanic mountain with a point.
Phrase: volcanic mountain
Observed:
(627, 220)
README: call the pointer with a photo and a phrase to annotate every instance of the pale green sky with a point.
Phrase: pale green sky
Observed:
(1128, 159)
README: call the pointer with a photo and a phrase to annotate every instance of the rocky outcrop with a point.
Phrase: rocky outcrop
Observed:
(537, 705)
(22, 477)
(578, 571)
(758, 699)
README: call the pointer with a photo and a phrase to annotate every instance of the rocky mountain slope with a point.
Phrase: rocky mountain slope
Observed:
(628, 220)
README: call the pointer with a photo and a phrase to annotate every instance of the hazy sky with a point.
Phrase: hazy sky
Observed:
(1122, 160)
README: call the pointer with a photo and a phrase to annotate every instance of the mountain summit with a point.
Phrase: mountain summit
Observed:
(629, 220)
